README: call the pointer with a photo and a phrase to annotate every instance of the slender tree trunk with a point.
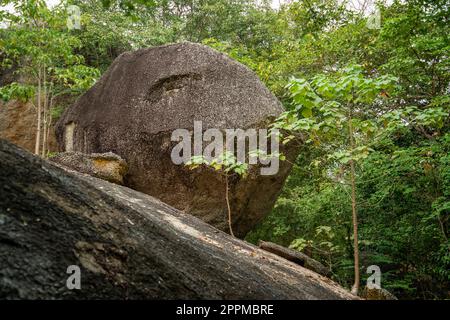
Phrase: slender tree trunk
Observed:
(228, 203)
(39, 120)
(49, 122)
(355, 287)
(45, 125)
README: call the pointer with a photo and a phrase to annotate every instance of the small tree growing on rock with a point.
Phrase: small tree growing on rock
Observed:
(226, 164)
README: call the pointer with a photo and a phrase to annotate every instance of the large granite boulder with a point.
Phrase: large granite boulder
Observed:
(147, 94)
(106, 166)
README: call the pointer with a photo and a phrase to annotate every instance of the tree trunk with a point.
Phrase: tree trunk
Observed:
(49, 117)
(355, 287)
(127, 245)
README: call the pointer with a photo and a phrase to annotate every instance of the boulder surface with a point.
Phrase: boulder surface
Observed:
(127, 244)
(106, 166)
(147, 94)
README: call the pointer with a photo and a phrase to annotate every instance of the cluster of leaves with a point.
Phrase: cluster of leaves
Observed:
(323, 107)
(37, 42)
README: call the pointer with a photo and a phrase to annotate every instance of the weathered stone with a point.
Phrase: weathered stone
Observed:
(145, 95)
(128, 245)
(106, 166)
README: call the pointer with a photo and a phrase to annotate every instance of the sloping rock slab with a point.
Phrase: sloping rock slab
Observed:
(127, 244)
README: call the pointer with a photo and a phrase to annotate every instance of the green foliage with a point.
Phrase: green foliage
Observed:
(226, 163)
(14, 90)
(77, 77)
(329, 70)
(107, 32)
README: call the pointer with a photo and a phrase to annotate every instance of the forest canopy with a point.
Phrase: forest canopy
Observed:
(366, 91)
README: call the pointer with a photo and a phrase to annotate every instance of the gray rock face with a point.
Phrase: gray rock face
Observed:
(145, 95)
(128, 245)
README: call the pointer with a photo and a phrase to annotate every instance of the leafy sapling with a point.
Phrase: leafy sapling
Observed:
(226, 164)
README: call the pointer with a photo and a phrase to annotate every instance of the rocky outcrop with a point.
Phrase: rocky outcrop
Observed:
(18, 124)
(147, 94)
(296, 257)
(106, 166)
(128, 245)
